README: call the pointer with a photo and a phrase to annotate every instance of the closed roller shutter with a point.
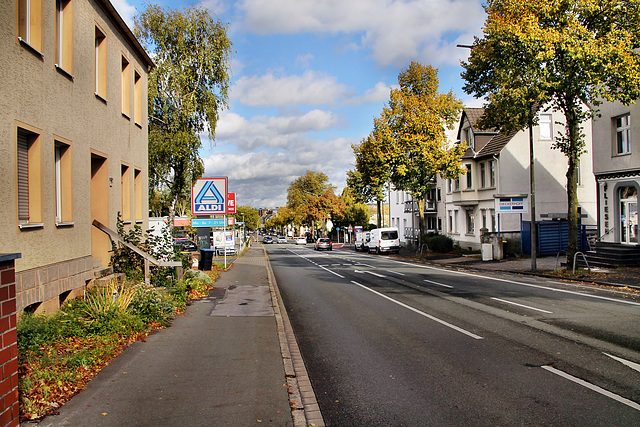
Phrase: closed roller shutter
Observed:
(23, 176)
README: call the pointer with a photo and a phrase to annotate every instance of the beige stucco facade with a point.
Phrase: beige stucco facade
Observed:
(616, 165)
(86, 133)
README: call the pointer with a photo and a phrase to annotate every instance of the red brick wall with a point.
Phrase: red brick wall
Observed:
(8, 346)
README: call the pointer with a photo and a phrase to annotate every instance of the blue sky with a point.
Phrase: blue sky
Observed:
(309, 76)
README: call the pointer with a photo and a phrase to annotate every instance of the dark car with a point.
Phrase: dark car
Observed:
(185, 245)
(323, 243)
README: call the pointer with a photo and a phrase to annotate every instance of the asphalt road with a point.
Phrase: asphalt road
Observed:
(388, 342)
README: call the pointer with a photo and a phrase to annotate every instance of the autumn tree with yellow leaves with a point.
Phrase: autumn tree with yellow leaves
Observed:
(410, 134)
(570, 55)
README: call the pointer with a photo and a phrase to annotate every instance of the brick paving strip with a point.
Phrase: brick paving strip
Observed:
(304, 406)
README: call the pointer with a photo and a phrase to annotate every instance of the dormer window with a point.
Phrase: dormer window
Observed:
(468, 136)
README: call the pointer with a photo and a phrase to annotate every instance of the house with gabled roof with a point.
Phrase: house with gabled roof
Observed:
(497, 167)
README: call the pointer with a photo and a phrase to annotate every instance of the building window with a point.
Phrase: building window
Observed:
(125, 181)
(137, 101)
(439, 224)
(469, 137)
(469, 177)
(450, 217)
(455, 221)
(64, 35)
(449, 185)
(457, 183)
(29, 164)
(439, 192)
(137, 193)
(30, 23)
(483, 178)
(492, 172)
(546, 126)
(623, 134)
(101, 64)
(126, 88)
(470, 221)
(63, 185)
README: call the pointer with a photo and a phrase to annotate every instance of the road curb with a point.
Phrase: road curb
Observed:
(302, 399)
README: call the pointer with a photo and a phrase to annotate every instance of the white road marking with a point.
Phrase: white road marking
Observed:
(317, 265)
(415, 310)
(439, 284)
(628, 363)
(395, 272)
(522, 305)
(593, 387)
(369, 272)
(497, 279)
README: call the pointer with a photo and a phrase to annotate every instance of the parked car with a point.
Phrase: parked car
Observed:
(323, 243)
(384, 240)
(267, 239)
(184, 244)
(301, 240)
(282, 239)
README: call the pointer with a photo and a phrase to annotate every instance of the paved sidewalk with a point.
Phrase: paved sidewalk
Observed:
(218, 364)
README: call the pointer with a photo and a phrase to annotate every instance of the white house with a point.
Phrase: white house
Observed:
(498, 166)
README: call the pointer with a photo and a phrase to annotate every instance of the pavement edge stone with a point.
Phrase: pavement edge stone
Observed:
(304, 408)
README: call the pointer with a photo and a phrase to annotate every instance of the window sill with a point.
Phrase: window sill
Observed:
(126, 116)
(26, 44)
(139, 125)
(64, 72)
(65, 224)
(621, 154)
(139, 221)
(100, 97)
(31, 226)
(470, 234)
(468, 190)
(126, 222)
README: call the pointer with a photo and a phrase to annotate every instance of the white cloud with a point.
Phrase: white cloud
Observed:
(125, 10)
(216, 7)
(303, 60)
(396, 31)
(271, 132)
(376, 95)
(267, 90)
(261, 178)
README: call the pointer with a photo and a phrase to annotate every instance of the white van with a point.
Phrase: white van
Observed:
(362, 238)
(384, 240)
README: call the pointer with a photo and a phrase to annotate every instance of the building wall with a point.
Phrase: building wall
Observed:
(614, 171)
(61, 105)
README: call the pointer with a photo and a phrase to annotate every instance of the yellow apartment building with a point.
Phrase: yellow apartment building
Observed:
(73, 141)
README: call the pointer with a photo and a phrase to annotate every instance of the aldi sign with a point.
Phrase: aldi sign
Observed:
(209, 196)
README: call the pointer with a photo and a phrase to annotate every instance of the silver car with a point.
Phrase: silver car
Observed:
(323, 243)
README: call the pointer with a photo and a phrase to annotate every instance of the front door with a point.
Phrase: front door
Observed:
(628, 223)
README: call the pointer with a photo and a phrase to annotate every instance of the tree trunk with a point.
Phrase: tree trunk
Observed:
(379, 203)
(421, 227)
(572, 186)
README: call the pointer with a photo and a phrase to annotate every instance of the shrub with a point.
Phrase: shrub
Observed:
(152, 305)
(440, 243)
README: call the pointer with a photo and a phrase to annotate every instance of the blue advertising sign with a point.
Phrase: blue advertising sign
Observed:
(207, 222)
(209, 196)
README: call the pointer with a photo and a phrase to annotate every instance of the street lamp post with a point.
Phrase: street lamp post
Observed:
(244, 238)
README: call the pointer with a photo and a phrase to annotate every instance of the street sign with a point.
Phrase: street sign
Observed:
(207, 222)
(511, 205)
(231, 203)
(209, 196)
